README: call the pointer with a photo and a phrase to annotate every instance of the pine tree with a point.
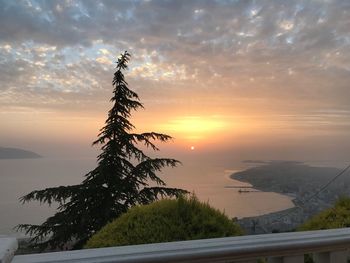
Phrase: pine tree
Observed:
(120, 180)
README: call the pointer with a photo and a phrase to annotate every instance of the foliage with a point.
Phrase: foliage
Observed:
(335, 217)
(164, 221)
(120, 180)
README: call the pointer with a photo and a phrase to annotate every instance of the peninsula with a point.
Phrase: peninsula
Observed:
(298, 180)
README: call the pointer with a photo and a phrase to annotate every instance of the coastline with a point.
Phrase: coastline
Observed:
(296, 180)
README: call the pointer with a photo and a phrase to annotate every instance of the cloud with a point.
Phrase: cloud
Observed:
(291, 55)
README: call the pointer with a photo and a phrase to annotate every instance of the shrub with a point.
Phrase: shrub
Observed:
(335, 217)
(164, 221)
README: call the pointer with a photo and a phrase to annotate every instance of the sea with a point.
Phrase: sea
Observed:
(210, 182)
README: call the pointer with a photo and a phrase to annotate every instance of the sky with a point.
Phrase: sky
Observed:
(249, 79)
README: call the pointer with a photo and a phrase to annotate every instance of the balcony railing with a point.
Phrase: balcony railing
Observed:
(326, 246)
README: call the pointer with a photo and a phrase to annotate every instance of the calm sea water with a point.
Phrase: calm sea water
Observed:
(208, 181)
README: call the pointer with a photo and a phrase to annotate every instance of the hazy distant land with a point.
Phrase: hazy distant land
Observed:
(15, 153)
(298, 180)
(291, 177)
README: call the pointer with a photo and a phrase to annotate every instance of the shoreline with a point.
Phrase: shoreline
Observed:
(297, 181)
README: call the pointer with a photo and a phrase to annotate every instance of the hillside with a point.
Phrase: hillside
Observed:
(15, 153)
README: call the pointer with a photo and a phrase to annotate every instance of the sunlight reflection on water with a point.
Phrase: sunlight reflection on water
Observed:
(208, 182)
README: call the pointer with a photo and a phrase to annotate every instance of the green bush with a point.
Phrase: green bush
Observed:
(165, 221)
(335, 217)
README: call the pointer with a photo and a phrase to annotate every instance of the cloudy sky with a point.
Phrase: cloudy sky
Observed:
(262, 78)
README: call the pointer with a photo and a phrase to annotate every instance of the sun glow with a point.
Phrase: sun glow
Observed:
(194, 128)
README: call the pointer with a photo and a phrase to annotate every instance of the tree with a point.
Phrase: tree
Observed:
(120, 180)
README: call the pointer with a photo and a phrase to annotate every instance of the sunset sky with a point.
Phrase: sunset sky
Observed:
(257, 79)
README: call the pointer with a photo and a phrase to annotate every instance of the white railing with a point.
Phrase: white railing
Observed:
(329, 246)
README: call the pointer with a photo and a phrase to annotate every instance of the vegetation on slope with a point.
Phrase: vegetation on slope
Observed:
(335, 217)
(164, 221)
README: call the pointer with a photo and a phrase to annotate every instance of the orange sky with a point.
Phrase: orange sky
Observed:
(265, 79)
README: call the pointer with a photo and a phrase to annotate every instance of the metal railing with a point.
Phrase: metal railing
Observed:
(326, 246)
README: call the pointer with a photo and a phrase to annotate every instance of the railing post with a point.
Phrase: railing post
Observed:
(275, 260)
(287, 259)
(294, 259)
(331, 257)
(321, 257)
(8, 246)
(339, 256)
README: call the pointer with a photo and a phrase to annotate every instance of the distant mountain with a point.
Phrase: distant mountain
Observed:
(15, 153)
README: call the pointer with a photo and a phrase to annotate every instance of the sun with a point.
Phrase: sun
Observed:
(192, 148)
